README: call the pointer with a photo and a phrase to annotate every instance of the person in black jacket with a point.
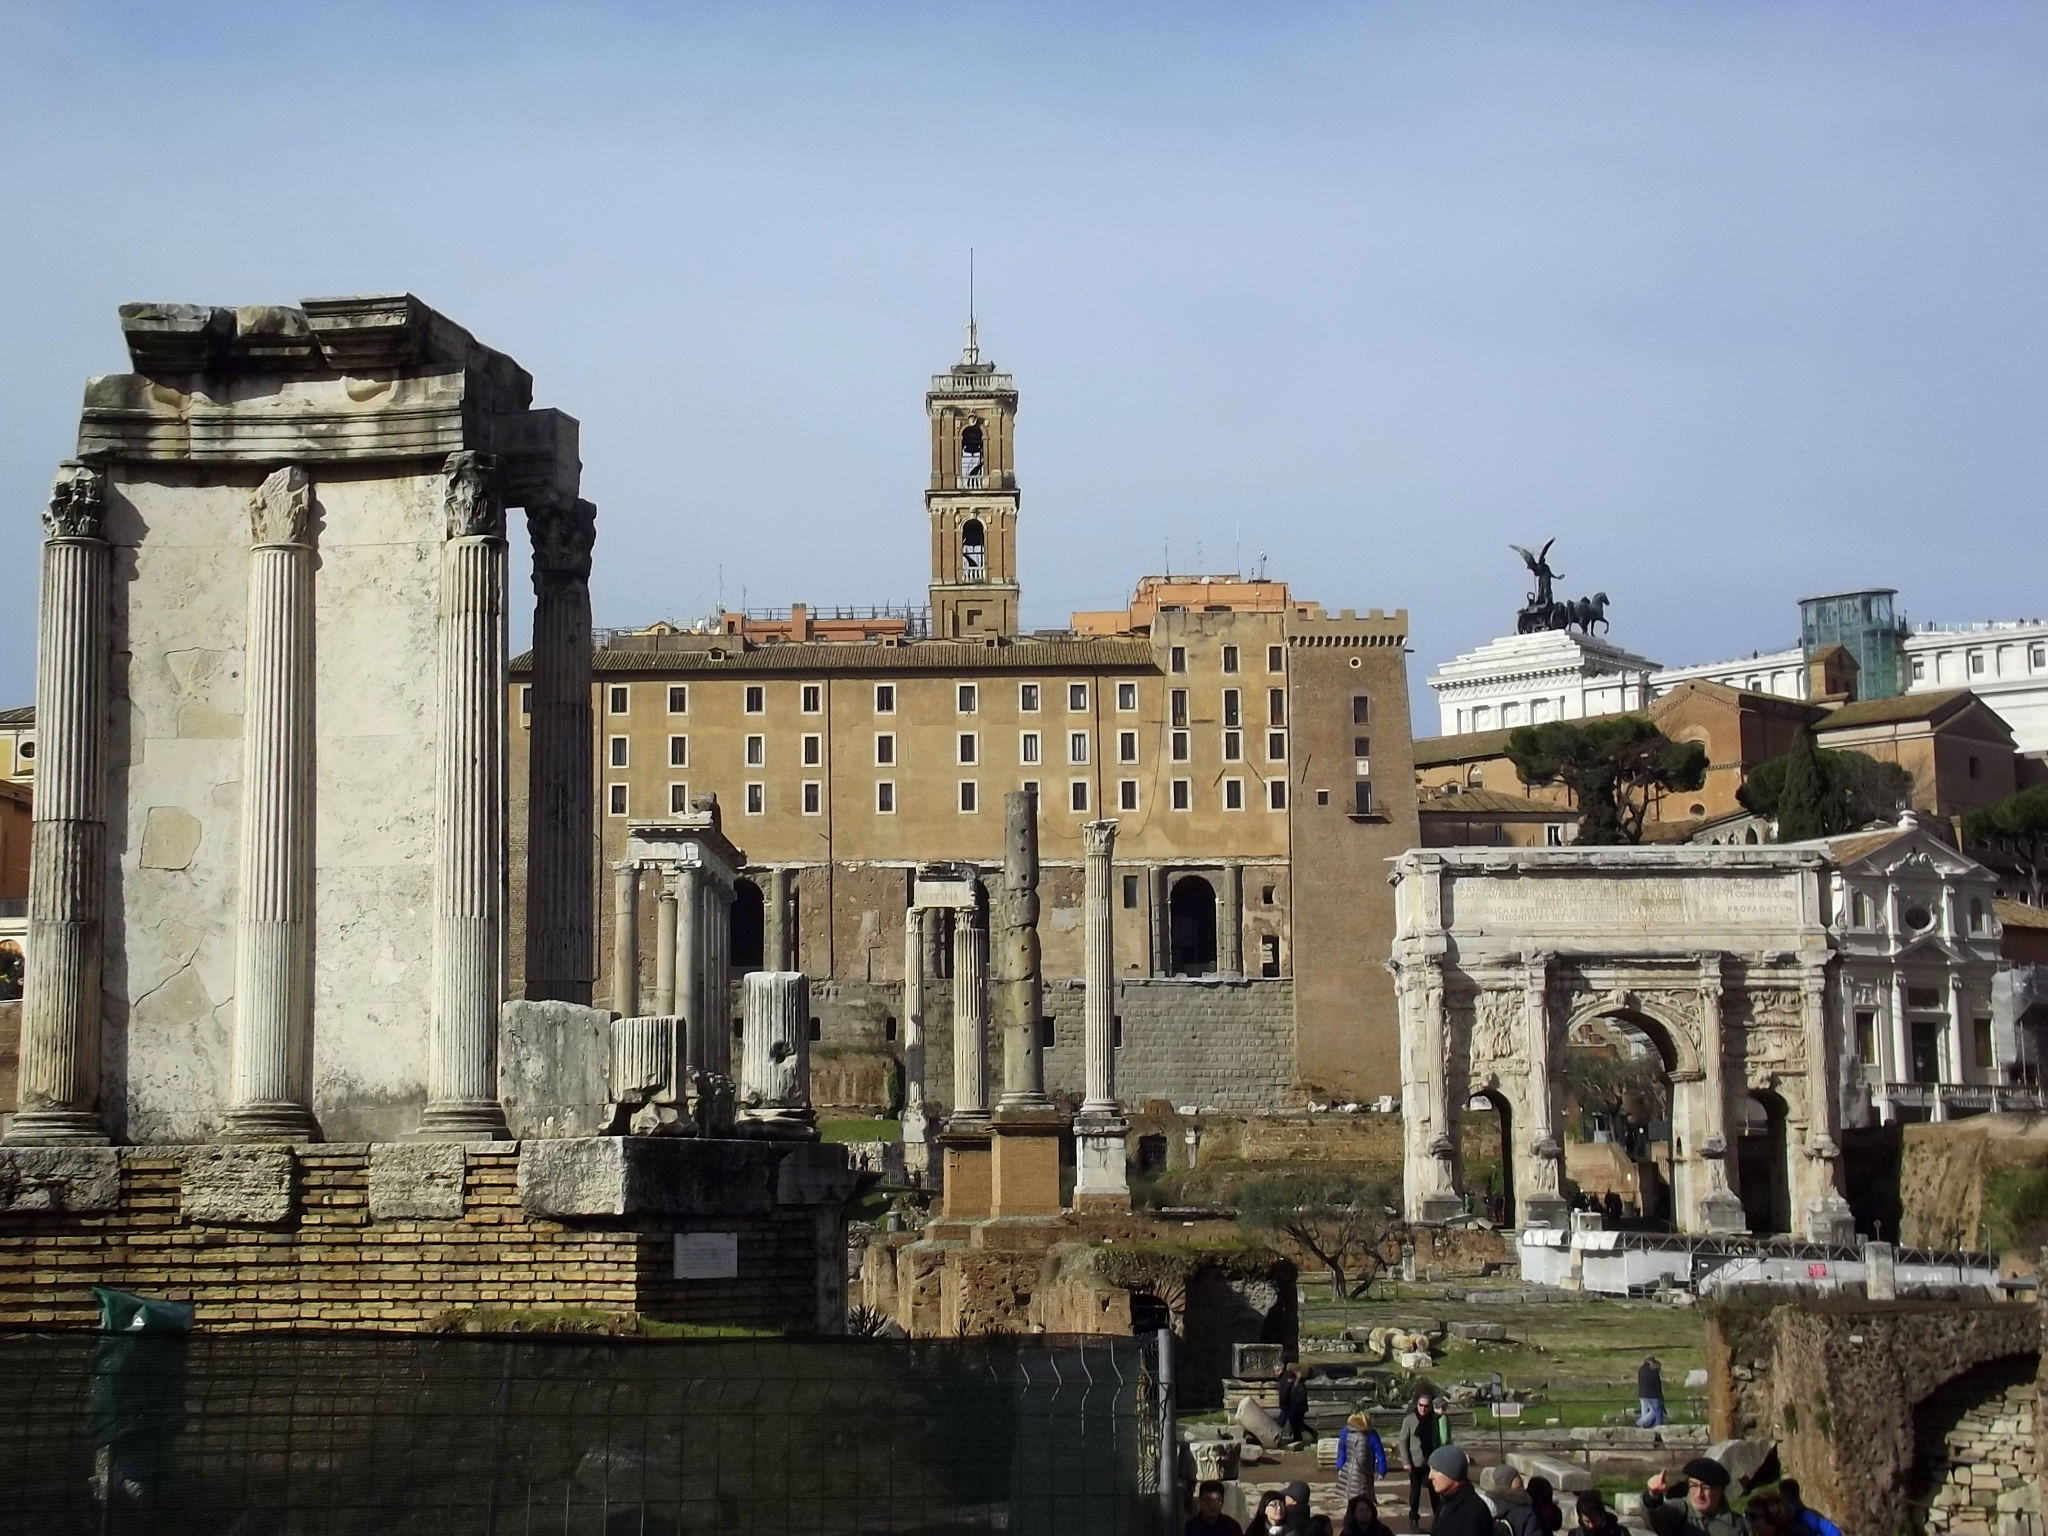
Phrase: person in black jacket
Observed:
(1209, 1519)
(1463, 1512)
(1650, 1393)
(1293, 1414)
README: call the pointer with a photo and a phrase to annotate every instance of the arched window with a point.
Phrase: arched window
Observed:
(973, 550)
(970, 453)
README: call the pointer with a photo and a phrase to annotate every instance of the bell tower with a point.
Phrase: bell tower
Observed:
(972, 501)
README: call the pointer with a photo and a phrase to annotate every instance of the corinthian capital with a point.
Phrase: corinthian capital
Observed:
(471, 501)
(77, 503)
(563, 533)
(1098, 837)
(281, 508)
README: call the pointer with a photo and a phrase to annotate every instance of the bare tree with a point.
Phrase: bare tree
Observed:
(1344, 1222)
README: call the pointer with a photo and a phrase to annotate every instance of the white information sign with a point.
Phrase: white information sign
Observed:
(707, 1255)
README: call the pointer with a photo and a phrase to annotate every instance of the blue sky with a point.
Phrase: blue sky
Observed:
(1738, 301)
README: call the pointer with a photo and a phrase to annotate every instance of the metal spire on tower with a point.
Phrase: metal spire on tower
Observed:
(971, 353)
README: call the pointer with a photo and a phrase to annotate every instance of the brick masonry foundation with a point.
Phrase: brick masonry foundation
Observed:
(329, 1262)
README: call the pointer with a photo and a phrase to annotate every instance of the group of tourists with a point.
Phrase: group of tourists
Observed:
(1695, 1504)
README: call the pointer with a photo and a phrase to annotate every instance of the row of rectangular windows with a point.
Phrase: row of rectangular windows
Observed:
(1180, 796)
(967, 700)
(618, 751)
(1276, 658)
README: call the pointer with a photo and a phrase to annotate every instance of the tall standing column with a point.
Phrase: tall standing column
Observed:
(1016, 988)
(1827, 1216)
(780, 946)
(1101, 1177)
(1432, 1128)
(469, 822)
(718, 981)
(626, 939)
(60, 1020)
(1162, 921)
(914, 1128)
(665, 945)
(1719, 1209)
(1230, 921)
(560, 800)
(273, 976)
(690, 961)
(1098, 964)
(970, 1017)
(1544, 1200)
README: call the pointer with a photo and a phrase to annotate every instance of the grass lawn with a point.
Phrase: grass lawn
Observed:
(1580, 1355)
(860, 1130)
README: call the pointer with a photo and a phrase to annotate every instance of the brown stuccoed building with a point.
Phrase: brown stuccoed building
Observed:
(1253, 748)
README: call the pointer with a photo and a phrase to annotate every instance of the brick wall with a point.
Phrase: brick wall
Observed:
(331, 1265)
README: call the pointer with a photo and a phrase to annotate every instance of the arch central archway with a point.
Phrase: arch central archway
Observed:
(1192, 913)
(1618, 1122)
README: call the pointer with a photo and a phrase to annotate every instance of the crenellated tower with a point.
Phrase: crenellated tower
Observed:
(973, 498)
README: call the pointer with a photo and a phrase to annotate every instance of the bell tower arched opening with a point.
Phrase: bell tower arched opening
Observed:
(972, 501)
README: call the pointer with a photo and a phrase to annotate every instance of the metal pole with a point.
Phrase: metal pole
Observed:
(1169, 1441)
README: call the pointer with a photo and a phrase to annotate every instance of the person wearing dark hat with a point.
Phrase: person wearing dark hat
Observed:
(1462, 1512)
(1297, 1507)
(1705, 1500)
(1594, 1516)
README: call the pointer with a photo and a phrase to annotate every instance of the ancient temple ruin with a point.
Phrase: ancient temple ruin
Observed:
(267, 950)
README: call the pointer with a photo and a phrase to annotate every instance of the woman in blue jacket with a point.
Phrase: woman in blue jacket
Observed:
(1360, 1458)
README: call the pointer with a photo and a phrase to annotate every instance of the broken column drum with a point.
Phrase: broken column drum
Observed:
(60, 1025)
(273, 977)
(970, 1017)
(775, 1062)
(648, 1095)
(469, 829)
(1016, 990)
(560, 933)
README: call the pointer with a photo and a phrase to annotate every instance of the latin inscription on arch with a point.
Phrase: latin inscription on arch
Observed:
(1606, 907)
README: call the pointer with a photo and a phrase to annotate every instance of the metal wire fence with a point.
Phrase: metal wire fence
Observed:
(389, 1434)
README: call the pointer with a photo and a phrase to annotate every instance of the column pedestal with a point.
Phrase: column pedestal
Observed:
(967, 1176)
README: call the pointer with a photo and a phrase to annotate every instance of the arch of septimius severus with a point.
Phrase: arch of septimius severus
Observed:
(1719, 956)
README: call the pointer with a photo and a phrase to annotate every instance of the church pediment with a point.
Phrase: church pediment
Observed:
(1914, 851)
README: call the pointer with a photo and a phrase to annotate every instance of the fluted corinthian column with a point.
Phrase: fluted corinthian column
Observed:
(267, 1094)
(1098, 915)
(690, 962)
(469, 822)
(914, 1128)
(626, 939)
(665, 945)
(1543, 1200)
(60, 1023)
(970, 1018)
(560, 847)
(718, 978)
(1015, 987)
(775, 1054)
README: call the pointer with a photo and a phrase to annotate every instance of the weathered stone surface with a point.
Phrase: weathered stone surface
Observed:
(815, 1173)
(551, 1068)
(664, 1176)
(59, 1179)
(416, 1181)
(1249, 1362)
(1213, 1459)
(1257, 1423)
(1565, 1476)
(1487, 1332)
(237, 1185)
(1740, 1457)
